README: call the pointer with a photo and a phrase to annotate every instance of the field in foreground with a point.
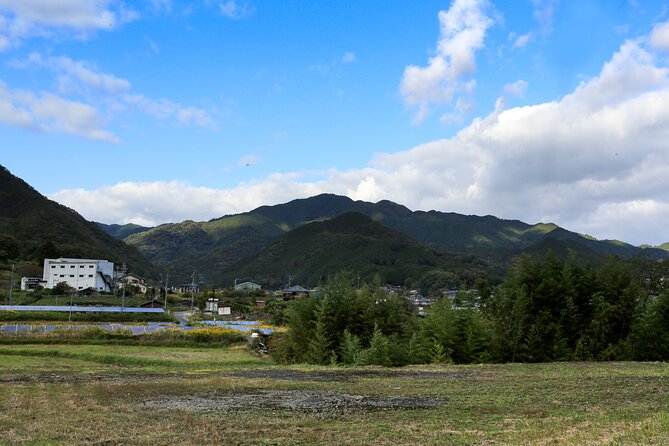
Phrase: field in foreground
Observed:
(111, 395)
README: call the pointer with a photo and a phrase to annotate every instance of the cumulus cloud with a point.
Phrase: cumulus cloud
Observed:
(595, 161)
(51, 114)
(659, 38)
(463, 29)
(28, 18)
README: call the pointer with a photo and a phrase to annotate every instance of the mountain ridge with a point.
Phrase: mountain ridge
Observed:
(226, 240)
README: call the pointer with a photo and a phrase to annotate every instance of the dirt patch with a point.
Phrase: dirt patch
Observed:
(315, 402)
(72, 378)
(347, 375)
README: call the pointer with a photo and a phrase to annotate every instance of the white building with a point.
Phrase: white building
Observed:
(79, 274)
(31, 283)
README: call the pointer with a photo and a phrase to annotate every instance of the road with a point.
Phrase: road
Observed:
(182, 316)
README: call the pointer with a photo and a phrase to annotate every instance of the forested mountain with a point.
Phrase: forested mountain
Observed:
(33, 227)
(122, 231)
(356, 243)
(212, 247)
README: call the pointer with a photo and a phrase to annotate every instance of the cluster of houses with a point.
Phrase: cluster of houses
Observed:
(100, 276)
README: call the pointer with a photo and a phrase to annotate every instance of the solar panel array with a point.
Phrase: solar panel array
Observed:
(75, 308)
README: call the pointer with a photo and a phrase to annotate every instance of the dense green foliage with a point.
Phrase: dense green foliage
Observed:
(342, 325)
(33, 227)
(546, 310)
(558, 310)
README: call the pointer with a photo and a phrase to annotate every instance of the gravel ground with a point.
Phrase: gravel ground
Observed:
(315, 402)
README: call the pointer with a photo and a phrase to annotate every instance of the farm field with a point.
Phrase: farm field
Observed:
(115, 394)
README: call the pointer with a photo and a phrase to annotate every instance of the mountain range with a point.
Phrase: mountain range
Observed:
(307, 239)
(225, 248)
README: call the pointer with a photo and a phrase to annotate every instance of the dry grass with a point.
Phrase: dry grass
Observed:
(544, 404)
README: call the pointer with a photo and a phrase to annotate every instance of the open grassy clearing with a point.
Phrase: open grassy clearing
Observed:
(78, 394)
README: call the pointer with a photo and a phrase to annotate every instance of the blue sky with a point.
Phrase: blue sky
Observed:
(158, 111)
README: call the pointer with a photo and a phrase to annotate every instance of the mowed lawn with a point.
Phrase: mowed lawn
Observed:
(117, 395)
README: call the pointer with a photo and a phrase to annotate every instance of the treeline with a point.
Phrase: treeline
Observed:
(545, 310)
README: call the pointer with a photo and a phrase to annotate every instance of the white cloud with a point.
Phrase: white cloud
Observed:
(517, 88)
(544, 14)
(233, 10)
(166, 109)
(659, 38)
(51, 114)
(29, 18)
(72, 73)
(348, 57)
(463, 29)
(80, 78)
(522, 41)
(595, 161)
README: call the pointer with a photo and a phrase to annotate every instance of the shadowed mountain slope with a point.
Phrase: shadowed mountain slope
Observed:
(355, 243)
(43, 228)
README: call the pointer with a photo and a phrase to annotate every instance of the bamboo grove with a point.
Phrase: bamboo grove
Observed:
(545, 310)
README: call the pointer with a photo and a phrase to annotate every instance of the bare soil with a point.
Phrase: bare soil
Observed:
(341, 375)
(314, 402)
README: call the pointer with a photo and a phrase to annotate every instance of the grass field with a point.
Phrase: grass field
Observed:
(113, 395)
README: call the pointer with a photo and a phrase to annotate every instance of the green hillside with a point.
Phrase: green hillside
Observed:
(33, 227)
(362, 246)
(205, 247)
(212, 247)
(122, 231)
(564, 249)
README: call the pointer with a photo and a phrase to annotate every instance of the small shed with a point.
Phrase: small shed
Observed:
(152, 304)
(294, 292)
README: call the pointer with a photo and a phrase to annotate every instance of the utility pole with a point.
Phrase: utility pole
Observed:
(123, 270)
(11, 285)
(192, 298)
(167, 278)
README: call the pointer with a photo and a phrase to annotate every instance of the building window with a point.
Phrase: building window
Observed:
(53, 266)
(62, 275)
(62, 266)
(90, 266)
(71, 266)
(90, 275)
(71, 275)
(81, 275)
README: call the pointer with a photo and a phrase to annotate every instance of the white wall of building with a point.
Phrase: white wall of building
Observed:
(79, 274)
